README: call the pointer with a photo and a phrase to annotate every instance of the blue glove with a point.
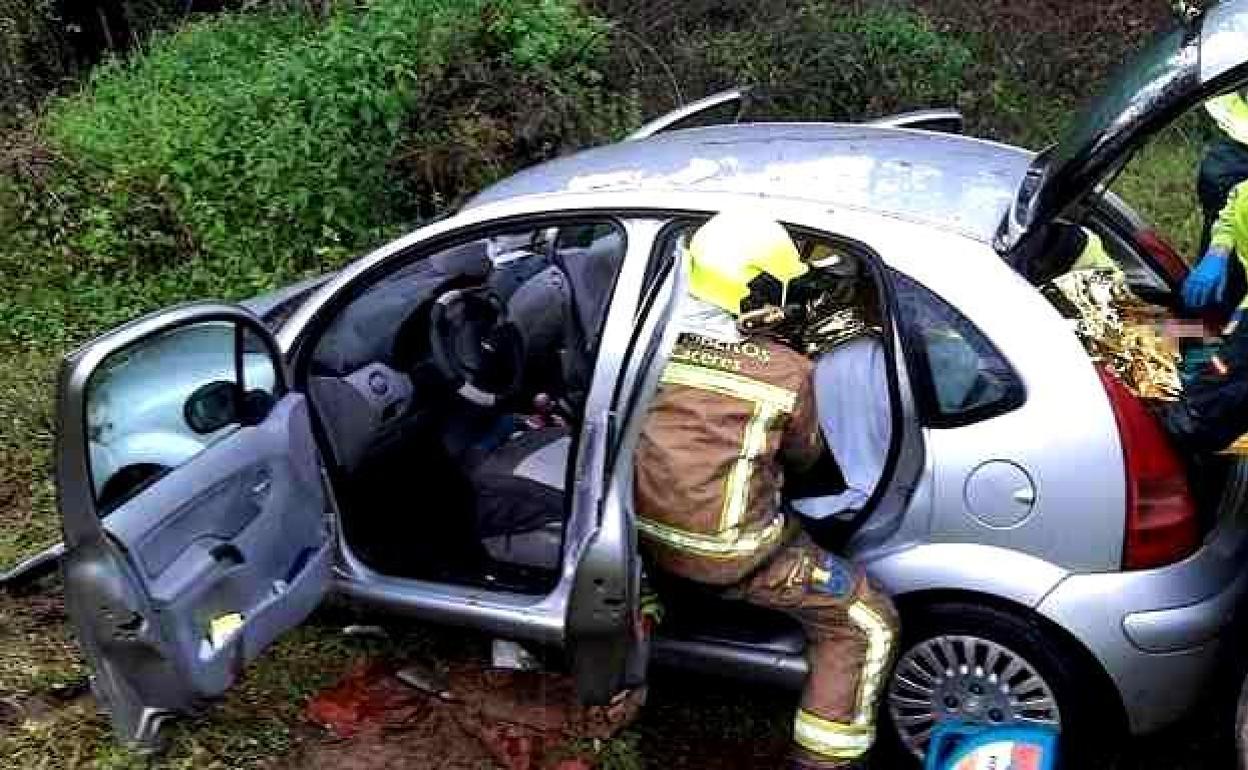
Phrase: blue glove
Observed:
(1206, 285)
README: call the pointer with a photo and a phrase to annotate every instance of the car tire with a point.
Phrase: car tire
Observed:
(1043, 666)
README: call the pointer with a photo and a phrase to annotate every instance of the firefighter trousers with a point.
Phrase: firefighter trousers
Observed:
(851, 630)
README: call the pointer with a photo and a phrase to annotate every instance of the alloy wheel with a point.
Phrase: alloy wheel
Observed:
(968, 679)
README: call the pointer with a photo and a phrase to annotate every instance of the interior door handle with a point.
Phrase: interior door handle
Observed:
(261, 485)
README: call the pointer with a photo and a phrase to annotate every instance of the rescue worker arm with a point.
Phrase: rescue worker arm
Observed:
(1206, 283)
(1231, 222)
(803, 441)
(1229, 236)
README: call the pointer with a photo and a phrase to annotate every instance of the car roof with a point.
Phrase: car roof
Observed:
(944, 180)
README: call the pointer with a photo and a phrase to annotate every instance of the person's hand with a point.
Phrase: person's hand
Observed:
(1206, 285)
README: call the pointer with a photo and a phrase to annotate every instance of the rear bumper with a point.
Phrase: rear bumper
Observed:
(1182, 628)
(1157, 633)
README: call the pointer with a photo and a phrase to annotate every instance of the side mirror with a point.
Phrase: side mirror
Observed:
(213, 407)
(220, 404)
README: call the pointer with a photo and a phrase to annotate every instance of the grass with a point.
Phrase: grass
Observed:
(27, 494)
(1160, 183)
(257, 724)
(259, 720)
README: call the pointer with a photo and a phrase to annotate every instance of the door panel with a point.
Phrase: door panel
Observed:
(184, 580)
(236, 545)
(606, 646)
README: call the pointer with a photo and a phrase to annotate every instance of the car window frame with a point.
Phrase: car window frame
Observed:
(658, 268)
(303, 353)
(75, 476)
(931, 413)
(237, 354)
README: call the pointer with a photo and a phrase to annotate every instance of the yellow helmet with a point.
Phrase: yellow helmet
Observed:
(732, 250)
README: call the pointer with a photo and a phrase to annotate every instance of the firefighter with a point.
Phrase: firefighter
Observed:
(1226, 161)
(732, 410)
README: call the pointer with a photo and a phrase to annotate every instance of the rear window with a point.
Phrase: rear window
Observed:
(959, 376)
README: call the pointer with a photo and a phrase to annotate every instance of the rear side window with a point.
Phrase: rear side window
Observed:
(959, 376)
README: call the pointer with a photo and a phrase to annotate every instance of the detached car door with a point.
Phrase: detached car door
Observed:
(195, 521)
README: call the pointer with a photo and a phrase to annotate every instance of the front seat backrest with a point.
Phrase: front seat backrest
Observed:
(591, 271)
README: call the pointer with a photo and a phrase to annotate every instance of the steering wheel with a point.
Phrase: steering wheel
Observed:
(475, 347)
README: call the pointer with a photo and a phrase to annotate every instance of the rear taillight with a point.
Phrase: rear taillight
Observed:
(1162, 527)
(1164, 256)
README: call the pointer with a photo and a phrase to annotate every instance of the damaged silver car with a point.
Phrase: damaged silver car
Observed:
(445, 428)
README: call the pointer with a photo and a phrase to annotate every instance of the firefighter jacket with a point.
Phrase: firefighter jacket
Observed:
(727, 418)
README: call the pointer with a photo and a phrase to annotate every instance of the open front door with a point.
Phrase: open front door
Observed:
(195, 523)
(606, 643)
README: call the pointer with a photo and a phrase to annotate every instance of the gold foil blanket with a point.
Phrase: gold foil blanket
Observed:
(1120, 331)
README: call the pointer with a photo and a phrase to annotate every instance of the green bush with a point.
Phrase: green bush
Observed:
(46, 44)
(243, 151)
(821, 63)
(820, 59)
(517, 90)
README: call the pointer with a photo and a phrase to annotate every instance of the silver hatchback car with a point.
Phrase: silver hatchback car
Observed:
(222, 468)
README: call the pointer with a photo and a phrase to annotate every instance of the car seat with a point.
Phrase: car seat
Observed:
(520, 502)
(591, 272)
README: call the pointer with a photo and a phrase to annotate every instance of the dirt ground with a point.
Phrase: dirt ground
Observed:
(698, 722)
(47, 720)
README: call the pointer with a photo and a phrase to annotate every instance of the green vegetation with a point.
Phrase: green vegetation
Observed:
(46, 44)
(28, 522)
(242, 152)
(821, 64)
(1160, 183)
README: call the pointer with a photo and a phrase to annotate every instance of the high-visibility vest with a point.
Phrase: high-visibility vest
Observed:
(1230, 231)
(1094, 256)
(1231, 113)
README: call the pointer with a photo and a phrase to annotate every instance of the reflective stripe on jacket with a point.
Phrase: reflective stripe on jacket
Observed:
(1231, 114)
(726, 418)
